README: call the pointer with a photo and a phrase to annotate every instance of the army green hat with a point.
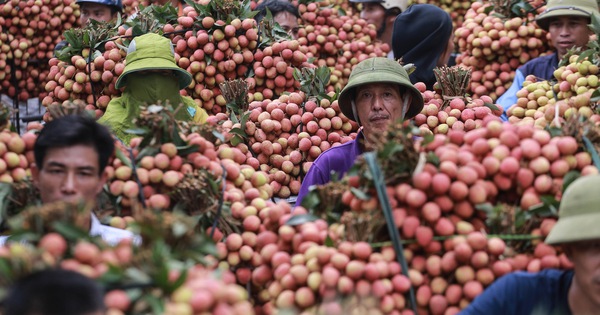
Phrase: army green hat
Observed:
(579, 212)
(152, 52)
(379, 70)
(556, 8)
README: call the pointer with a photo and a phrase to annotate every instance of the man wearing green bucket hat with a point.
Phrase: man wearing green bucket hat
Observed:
(378, 93)
(150, 76)
(553, 291)
(567, 22)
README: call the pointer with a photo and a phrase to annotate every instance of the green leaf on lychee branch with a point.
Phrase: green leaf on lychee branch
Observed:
(313, 82)
(569, 178)
(183, 151)
(300, 219)
(491, 106)
(5, 192)
(224, 10)
(360, 194)
(589, 146)
(271, 31)
(92, 36)
(151, 19)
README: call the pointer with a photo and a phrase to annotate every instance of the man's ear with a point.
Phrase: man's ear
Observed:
(103, 180)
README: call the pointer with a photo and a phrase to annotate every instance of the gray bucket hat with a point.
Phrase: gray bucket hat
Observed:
(556, 8)
(379, 70)
(579, 212)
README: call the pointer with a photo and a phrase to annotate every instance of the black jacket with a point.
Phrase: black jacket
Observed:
(420, 36)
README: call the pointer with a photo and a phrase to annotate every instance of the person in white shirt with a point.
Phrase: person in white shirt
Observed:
(71, 154)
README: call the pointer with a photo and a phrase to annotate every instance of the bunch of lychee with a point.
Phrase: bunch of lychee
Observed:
(568, 94)
(495, 47)
(29, 31)
(439, 115)
(337, 41)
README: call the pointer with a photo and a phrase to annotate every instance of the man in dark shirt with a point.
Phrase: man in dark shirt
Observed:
(554, 291)
(567, 22)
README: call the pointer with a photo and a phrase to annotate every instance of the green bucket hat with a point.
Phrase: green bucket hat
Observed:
(579, 212)
(379, 70)
(556, 8)
(152, 52)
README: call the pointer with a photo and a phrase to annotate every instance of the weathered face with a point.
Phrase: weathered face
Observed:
(94, 11)
(567, 32)
(69, 174)
(373, 13)
(377, 105)
(585, 256)
(288, 23)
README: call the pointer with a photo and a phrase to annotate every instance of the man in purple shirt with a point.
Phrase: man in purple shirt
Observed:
(378, 92)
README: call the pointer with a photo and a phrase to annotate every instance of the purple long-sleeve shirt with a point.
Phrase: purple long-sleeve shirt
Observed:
(338, 159)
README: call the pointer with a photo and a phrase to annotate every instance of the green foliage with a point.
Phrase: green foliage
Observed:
(199, 195)
(5, 192)
(93, 37)
(593, 53)
(506, 219)
(313, 81)
(224, 10)
(395, 154)
(325, 201)
(271, 31)
(510, 8)
(157, 125)
(151, 19)
(300, 219)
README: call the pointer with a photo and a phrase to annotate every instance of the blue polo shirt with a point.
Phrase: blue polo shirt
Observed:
(338, 159)
(523, 293)
(542, 67)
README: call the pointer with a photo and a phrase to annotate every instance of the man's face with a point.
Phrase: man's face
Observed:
(288, 23)
(585, 256)
(373, 13)
(567, 32)
(69, 174)
(377, 105)
(98, 12)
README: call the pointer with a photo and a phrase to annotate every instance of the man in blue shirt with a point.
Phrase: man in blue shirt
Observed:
(378, 93)
(554, 291)
(567, 22)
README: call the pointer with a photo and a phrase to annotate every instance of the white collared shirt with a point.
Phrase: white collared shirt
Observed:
(111, 235)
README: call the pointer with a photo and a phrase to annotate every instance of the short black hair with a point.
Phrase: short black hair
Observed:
(54, 291)
(276, 7)
(72, 130)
